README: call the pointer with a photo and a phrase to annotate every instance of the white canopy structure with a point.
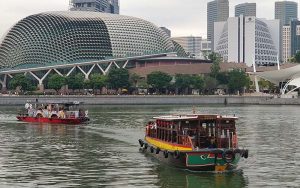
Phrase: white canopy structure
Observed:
(289, 75)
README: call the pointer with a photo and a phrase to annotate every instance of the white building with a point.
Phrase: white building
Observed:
(193, 45)
(205, 46)
(248, 39)
(286, 43)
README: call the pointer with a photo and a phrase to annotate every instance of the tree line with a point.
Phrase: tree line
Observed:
(157, 82)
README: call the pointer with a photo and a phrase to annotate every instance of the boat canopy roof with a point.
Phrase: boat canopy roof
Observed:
(194, 117)
(59, 103)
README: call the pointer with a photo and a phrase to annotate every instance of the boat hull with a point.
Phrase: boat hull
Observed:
(72, 121)
(202, 160)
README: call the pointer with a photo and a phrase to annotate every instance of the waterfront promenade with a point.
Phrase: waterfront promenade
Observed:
(152, 100)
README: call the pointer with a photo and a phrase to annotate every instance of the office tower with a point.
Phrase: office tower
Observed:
(108, 6)
(285, 11)
(295, 36)
(217, 11)
(286, 43)
(246, 9)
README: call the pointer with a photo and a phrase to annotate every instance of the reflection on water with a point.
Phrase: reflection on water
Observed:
(105, 152)
(171, 177)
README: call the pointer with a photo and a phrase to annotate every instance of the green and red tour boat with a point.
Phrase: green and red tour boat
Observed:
(195, 142)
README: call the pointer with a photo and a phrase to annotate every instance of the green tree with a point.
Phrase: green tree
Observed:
(184, 82)
(75, 81)
(134, 80)
(22, 82)
(210, 84)
(266, 85)
(98, 81)
(159, 80)
(56, 82)
(222, 78)
(118, 78)
(215, 67)
(238, 80)
(297, 57)
(198, 82)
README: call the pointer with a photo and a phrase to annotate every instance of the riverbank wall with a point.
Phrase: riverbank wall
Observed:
(152, 100)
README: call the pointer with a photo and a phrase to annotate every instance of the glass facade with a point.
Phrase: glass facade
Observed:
(55, 38)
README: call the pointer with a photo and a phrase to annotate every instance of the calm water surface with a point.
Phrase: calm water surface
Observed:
(105, 152)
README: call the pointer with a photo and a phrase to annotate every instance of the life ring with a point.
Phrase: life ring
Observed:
(228, 156)
(157, 150)
(176, 154)
(141, 143)
(166, 154)
(151, 149)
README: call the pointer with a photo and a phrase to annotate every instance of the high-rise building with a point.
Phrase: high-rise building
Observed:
(286, 43)
(246, 9)
(285, 11)
(108, 6)
(167, 31)
(217, 11)
(248, 40)
(295, 36)
(114, 6)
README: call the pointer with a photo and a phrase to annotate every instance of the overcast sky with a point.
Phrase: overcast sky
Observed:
(183, 17)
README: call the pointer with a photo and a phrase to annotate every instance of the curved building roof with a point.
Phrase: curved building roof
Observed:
(73, 36)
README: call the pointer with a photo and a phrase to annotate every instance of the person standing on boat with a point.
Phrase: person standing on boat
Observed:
(45, 112)
(61, 114)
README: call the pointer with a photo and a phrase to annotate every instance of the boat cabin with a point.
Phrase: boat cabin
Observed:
(196, 131)
(55, 110)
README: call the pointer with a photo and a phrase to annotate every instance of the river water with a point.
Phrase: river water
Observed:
(105, 152)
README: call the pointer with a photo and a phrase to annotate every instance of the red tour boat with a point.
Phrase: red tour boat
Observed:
(54, 113)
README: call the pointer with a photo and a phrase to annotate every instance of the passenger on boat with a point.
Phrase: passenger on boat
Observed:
(61, 114)
(206, 143)
(39, 113)
(45, 112)
(212, 143)
(31, 111)
(81, 113)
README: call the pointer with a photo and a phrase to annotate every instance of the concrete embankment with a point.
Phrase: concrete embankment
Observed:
(151, 100)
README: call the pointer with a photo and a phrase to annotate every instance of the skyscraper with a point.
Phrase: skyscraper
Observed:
(108, 6)
(285, 11)
(217, 11)
(246, 9)
(295, 36)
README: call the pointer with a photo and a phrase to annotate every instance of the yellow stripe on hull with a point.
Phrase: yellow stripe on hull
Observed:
(166, 146)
